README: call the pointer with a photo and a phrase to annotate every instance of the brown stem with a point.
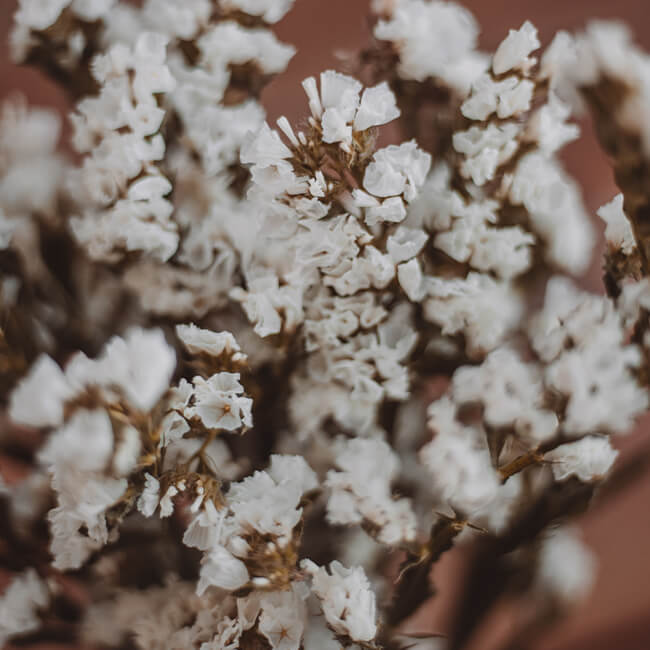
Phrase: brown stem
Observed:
(520, 463)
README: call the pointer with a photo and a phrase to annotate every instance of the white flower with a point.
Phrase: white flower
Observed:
(555, 210)
(140, 364)
(486, 149)
(20, 605)
(294, 469)
(80, 508)
(282, 620)
(174, 425)
(264, 148)
(377, 107)
(634, 297)
(181, 20)
(507, 98)
(514, 50)
(340, 109)
(346, 599)
(204, 531)
(39, 398)
(589, 458)
(271, 508)
(219, 402)
(548, 125)
(265, 299)
(581, 337)
(411, 279)
(480, 307)
(77, 456)
(334, 126)
(511, 393)
(567, 567)
(84, 442)
(270, 10)
(198, 340)
(618, 230)
(92, 10)
(222, 569)
(339, 92)
(227, 42)
(459, 461)
(405, 243)
(434, 39)
(396, 170)
(148, 500)
(120, 189)
(166, 503)
(40, 14)
(362, 490)
(127, 451)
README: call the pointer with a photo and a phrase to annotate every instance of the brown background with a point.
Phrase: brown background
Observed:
(617, 614)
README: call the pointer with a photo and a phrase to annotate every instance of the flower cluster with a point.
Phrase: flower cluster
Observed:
(248, 369)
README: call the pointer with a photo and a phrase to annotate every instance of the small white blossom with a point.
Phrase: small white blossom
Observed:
(507, 98)
(221, 569)
(555, 210)
(204, 531)
(405, 243)
(271, 508)
(581, 337)
(295, 469)
(265, 299)
(282, 619)
(127, 451)
(634, 297)
(84, 442)
(396, 170)
(264, 148)
(589, 458)
(361, 490)
(483, 309)
(140, 364)
(39, 398)
(346, 599)
(618, 229)
(228, 42)
(434, 39)
(270, 10)
(513, 53)
(459, 461)
(485, 149)
(341, 109)
(377, 107)
(511, 393)
(148, 499)
(174, 19)
(567, 567)
(219, 402)
(166, 503)
(549, 127)
(198, 340)
(20, 605)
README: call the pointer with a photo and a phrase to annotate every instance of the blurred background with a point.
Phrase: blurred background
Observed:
(617, 614)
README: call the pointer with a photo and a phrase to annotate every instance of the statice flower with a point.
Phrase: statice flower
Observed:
(361, 490)
(20, 604)
(346, 599)
(434, 39)
(258, 378)
(218, 402)
(589, 458)
(566, 566)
